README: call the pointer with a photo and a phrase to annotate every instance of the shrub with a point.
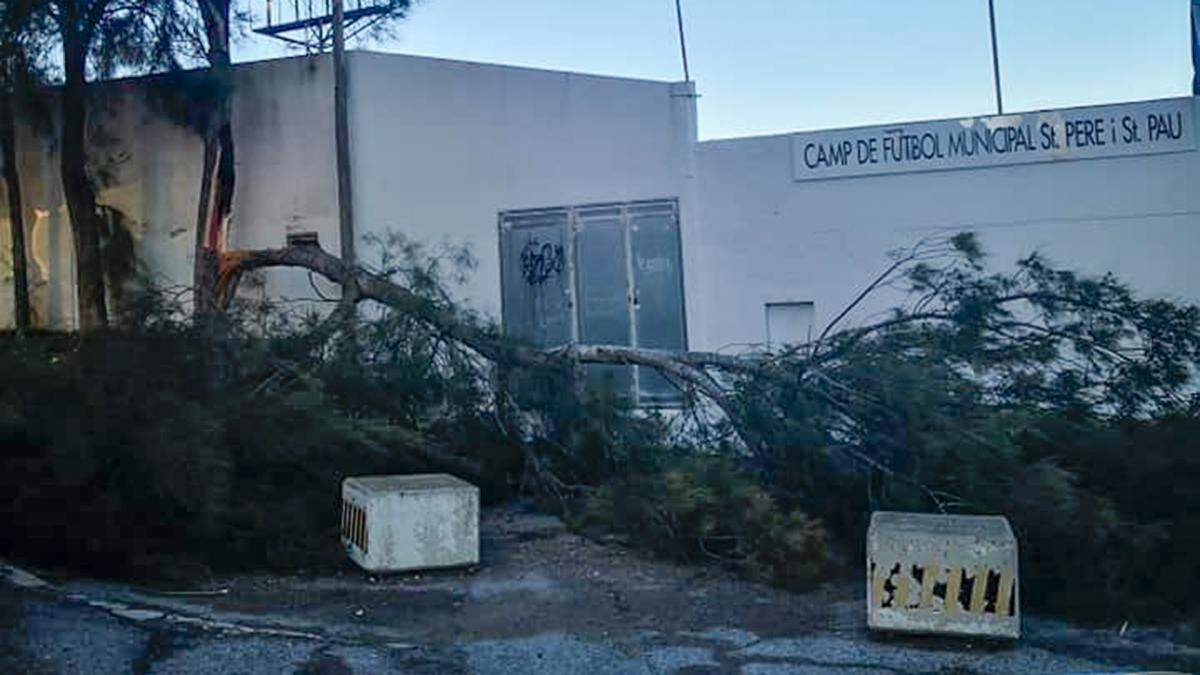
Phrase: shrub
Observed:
(1107, 515)
(707, 509)
(1068, 540)
(1058, 399)
(120, 461)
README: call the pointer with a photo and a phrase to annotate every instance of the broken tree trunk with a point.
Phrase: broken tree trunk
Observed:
(218, 178)
(217, 184)
(216, 200)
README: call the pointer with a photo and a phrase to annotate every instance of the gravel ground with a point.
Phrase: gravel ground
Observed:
(542, 601)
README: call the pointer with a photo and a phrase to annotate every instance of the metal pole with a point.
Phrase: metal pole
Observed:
(995, 57)
(682, 45)
(1195, 47)
(342, 139)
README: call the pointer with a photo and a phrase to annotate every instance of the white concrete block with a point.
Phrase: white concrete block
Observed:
(421, 521)
(940, 574)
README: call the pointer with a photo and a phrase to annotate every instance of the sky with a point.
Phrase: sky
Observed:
(778, 66)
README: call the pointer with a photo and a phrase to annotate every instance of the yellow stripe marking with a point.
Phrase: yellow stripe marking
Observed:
(1005, 593)
(877, 584)
(977, 590)
(927, 581)
(953, 583)
(902, 587)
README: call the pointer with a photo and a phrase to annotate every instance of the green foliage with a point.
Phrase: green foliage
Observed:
(707, 508)
(1056, 398)
(1107, 514)
(1102, 506)
(1045, 337)
(1070, 539)
(120, 460)
(1059, 400)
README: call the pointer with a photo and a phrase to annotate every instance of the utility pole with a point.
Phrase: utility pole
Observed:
(303, 24)
(341, 123)
(1195, 47)
(687, 76)
(995, 56)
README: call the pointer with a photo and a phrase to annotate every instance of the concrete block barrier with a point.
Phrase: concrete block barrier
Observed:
(938, 574)
(399, 523)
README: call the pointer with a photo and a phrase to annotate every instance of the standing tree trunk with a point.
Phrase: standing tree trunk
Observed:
(218, 178)
(77, 186)
(216, 201)
(217, 183)
(16, 216)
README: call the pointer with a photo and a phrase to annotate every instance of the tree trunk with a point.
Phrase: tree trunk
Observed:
(77, 186)
(216, 201)
(16, 216)
(217, 183)
(218, 176)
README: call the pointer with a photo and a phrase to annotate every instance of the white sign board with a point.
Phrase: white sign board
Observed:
(997, 140)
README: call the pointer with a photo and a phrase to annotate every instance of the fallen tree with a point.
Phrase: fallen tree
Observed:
(978, 392)
(1060, 400)
(1034, 338)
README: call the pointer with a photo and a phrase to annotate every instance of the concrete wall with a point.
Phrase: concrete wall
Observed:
(148, 167)
(762, 237)
(131, 174)
(283, 128)
(441, 147)
(47, 236)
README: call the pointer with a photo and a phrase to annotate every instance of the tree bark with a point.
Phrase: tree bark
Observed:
(217, 184)
(218, 177)
(370, 286)
(77, 186)
(16, 217)
(216, 201)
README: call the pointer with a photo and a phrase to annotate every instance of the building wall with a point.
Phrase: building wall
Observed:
(286, 173)
(763, 237)
(440, 148)
(148, 166)
(48, 246)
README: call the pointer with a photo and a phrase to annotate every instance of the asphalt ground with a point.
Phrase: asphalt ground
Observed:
(543, 601)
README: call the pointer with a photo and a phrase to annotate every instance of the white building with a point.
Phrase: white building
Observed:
(596, 214)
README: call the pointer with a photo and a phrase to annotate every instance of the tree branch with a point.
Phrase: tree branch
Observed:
(688, 367)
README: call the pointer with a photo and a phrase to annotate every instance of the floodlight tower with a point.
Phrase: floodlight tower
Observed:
(311, 24)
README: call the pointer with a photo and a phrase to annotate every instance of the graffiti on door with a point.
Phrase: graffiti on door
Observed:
(541, 261)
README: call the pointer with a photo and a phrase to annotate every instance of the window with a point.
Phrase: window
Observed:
(597, 274)
(303, 239)
(789, 323)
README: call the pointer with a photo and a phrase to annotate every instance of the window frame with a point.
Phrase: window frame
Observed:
(767, 306)
(575, 217)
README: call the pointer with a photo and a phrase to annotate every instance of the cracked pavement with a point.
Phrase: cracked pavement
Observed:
(543, 601)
